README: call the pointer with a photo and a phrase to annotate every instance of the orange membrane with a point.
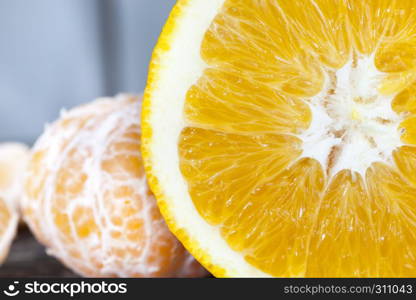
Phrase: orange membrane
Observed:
(241, 150)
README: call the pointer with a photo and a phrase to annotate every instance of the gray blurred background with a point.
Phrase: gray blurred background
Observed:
(60, 53)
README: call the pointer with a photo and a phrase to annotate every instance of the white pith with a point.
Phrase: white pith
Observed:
(353, 125)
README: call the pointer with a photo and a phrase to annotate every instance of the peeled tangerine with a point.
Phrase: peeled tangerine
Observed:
(86, 196)
(13, 159)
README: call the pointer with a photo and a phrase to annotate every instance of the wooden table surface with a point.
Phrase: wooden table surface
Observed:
(27, 258)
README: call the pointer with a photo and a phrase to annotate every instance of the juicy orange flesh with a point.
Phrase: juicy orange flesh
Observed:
(240, 155)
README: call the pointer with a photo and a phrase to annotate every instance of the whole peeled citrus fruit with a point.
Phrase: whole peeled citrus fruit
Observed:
(86, 197)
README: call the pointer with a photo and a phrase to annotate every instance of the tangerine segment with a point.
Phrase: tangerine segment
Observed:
(313, 24)
(394, 216)
(374, 22)
(227, 103)
(253, 40)
(405, 159)
(405, 101)
(290, 212)
(288, 216)
(344, 242)
(409, 130)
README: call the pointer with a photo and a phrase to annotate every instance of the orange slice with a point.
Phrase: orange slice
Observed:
(279, 136)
